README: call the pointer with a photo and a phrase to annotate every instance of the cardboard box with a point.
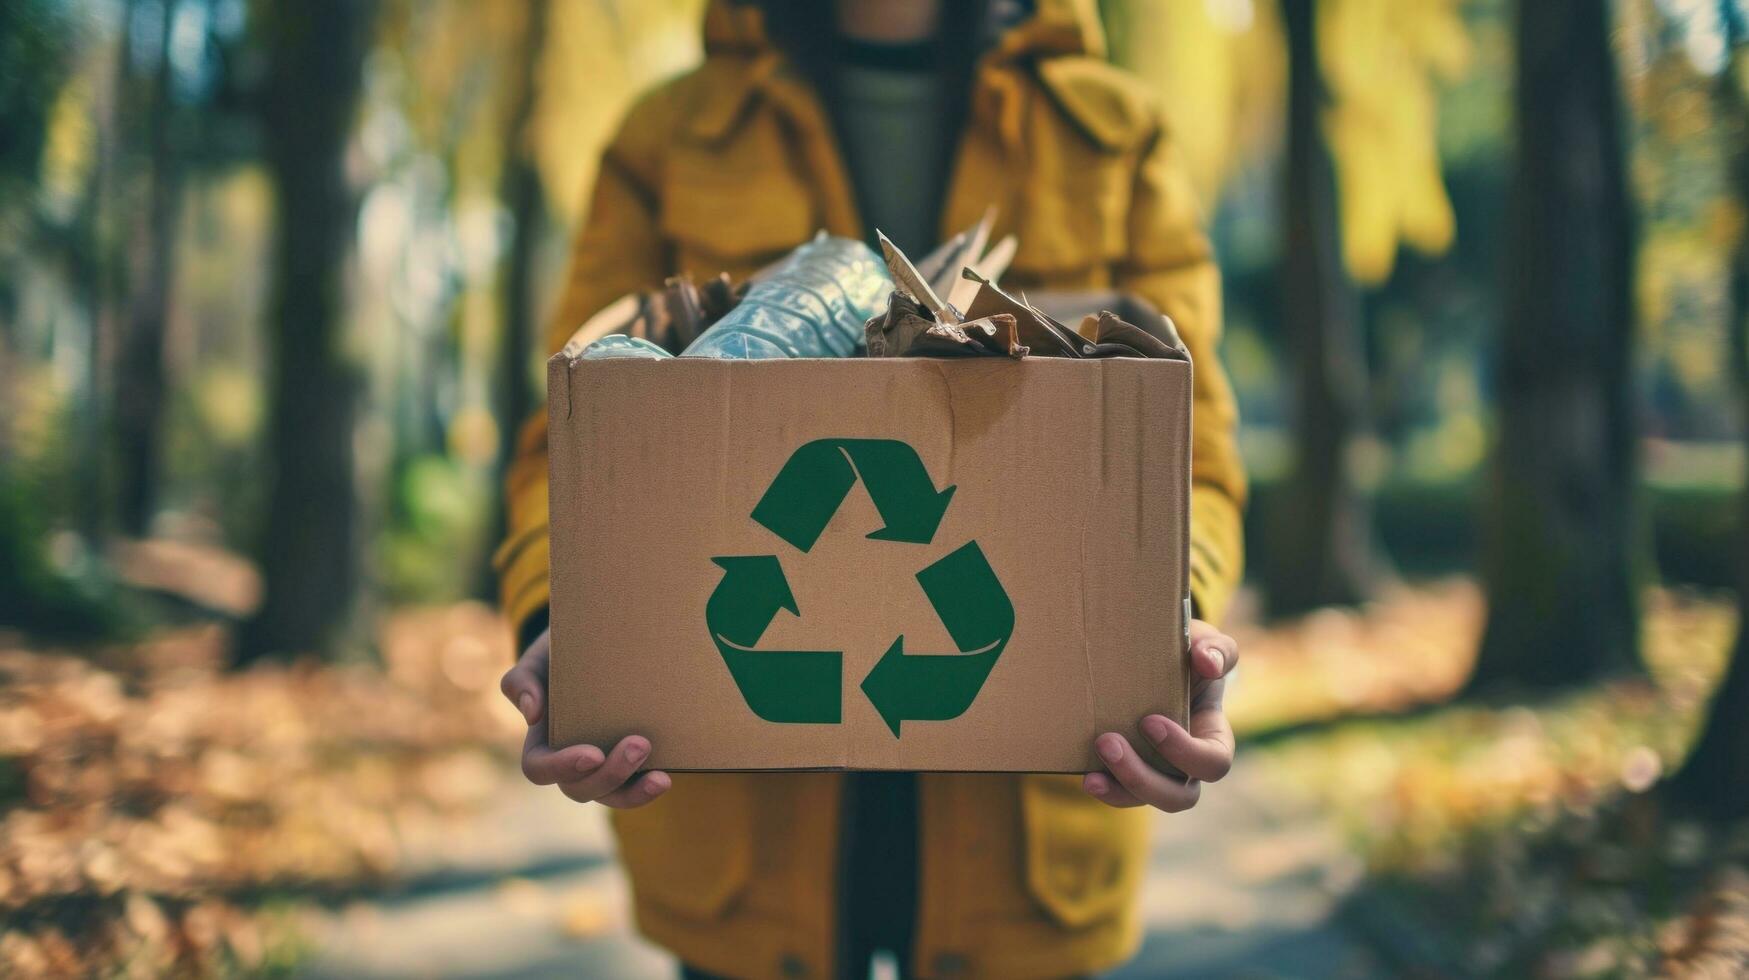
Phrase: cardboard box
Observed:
(902, 564)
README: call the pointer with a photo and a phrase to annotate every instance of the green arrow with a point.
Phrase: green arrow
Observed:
(800, 686)
(752, 591)
(806, 493)
(900, 487)
(818, 476)
(972, 604)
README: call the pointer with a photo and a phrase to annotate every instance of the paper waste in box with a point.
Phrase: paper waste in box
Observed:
(972, 564)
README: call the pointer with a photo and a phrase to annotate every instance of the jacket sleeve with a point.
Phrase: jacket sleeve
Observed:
(618, 249)
(1171, 264)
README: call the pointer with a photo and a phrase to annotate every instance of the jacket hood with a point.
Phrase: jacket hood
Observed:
(1054, 27)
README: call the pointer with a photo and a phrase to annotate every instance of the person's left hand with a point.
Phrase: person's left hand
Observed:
(1203, 753)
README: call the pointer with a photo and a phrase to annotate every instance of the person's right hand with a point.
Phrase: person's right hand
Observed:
(581, 772)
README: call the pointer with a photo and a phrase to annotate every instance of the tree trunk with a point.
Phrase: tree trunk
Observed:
(1561, 551)
(140, 382)
(1712, 780)
(521, 191)
(310, 552)
(1320, 545)
(97, 264)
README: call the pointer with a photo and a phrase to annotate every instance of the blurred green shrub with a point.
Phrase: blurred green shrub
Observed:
(436, 539)
(1431, 528)
(48, 584)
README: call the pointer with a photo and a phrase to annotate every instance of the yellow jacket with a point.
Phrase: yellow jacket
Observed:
(733, 164)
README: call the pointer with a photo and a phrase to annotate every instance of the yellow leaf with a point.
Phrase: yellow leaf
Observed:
(598, 57)
(1216, 67)
(1381, 60)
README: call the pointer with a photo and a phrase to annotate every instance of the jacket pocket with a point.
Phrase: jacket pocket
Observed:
(691, 852)
(1084, 860)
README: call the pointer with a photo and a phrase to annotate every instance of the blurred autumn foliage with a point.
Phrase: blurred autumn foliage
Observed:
(155, 809)
(1417, 354)
(1529, 840)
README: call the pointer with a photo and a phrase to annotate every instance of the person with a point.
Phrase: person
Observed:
(914, 116)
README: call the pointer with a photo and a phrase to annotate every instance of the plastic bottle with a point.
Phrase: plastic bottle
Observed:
(813, 304)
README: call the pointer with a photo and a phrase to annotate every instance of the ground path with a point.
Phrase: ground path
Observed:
(1239, 887)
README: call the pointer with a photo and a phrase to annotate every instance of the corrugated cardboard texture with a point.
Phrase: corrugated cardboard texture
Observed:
(1073, 478)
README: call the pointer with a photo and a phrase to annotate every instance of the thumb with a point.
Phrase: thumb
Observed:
(525, 685)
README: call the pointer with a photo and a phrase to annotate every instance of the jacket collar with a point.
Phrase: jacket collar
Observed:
(741, 61)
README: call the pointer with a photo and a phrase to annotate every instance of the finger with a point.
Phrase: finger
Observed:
(1107, 790)
(1143, 781)
(1212, 653)
(641, 790)
(1206, 694)
(544, 765)
(621, 765)
(525, 684)
(1209, 723)
(1207, 757)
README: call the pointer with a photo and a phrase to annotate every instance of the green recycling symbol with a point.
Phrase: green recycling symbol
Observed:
(803, 686)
